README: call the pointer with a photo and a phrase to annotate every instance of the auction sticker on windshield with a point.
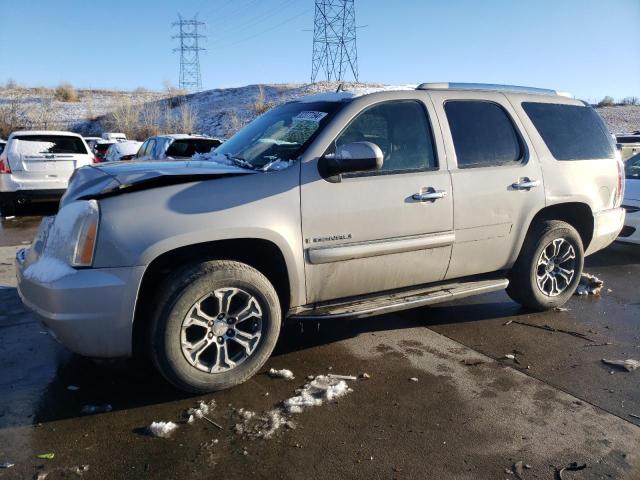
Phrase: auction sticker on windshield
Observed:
(309, 116)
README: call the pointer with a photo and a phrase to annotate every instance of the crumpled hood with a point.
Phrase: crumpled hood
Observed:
(96, 181)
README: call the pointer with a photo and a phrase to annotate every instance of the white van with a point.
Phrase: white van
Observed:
(37, 165)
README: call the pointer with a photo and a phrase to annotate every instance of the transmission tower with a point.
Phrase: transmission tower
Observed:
(334, 40)
(190, 78)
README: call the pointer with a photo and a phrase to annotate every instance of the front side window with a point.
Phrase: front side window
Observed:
(280, 134)
(401, 130)
(51, 144)
(142, 150)
(483, 134)
(571, 132)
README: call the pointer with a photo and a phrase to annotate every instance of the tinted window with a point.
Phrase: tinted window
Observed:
(402, 132)
(483, 134)
(54, 144)
(2, 147)
(571, 132)
(102, 147)
(187, 148)
(149, 150)
(632, 139)
(632, 167)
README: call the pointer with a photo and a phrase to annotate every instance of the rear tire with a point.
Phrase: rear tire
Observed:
(215, 325)
(549, 267)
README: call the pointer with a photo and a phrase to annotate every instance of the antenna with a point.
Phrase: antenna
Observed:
(334, 40)
(190, 78)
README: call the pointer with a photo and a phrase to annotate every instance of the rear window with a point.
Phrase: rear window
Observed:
(189, 147)
(571, 132)
(632, 139)
(483, 134)
(47, 144)
(2, 147)
(632, 168)
(102, 147)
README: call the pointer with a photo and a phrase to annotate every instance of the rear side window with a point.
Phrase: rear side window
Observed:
(571, 132)
(483, 134)
(48, 144)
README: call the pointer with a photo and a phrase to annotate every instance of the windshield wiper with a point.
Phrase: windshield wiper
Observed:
(239, 161)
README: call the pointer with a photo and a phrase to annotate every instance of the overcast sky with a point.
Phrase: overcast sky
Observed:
(588, 47)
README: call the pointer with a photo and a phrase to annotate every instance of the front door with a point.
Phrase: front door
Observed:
(379, 230)
(497, 179)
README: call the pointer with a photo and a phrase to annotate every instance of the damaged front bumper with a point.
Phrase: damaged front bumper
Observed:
(90, 311)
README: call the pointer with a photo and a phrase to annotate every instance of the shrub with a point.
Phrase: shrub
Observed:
(66, 93)
(260, 105)
(607, 102)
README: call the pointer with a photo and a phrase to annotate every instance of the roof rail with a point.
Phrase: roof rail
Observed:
(491, 87)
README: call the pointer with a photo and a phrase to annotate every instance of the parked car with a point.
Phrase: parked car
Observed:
(122, 151)
(631, 203)
(331, 206)
(628, 144)
(36, 166)
(114, 136)
(176, 146)
(3, 144)
(100, 149)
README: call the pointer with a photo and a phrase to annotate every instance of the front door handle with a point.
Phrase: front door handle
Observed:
(525, 184)
(429, 195)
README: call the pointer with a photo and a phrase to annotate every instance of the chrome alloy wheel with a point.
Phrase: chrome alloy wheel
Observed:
(221, 330)
(556, 267)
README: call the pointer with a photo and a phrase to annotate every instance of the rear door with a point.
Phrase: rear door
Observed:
(47, 156)
(369, 232)
(497, 181)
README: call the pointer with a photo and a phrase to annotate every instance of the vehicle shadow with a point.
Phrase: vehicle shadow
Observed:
(617, 254)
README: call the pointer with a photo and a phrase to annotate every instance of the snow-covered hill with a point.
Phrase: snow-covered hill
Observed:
(217, 112)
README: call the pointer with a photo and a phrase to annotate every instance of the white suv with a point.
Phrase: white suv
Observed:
(36, 165)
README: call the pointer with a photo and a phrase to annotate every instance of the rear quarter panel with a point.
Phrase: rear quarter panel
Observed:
(592, 182)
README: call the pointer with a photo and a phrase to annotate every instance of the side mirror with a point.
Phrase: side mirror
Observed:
(353, 157)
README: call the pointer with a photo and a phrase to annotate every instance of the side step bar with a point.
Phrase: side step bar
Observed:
(399, 300)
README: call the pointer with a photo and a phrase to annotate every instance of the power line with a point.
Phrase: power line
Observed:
(190, 77)
(254, 21)
(334, 40)
(273, 27)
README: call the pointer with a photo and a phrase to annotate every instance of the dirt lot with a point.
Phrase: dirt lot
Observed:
(471, 414)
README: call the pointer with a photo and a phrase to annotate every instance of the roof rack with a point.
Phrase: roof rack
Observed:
(491, 87)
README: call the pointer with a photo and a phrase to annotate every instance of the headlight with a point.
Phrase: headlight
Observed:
(73, 235)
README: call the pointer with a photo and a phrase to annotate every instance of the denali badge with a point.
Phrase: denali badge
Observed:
(330, 238)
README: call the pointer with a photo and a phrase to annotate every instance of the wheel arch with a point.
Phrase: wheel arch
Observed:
(577, 214)
(261, 254)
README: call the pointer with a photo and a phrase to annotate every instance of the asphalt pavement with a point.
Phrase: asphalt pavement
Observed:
(442, 401)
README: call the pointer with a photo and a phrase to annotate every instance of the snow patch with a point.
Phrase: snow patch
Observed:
(162, 429)
(26, 147)
(203, 409)
(589, 285)
(263, 426)
(48, 269)
(318, 391)
(284, 373)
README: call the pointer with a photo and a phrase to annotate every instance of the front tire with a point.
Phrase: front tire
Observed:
(215, 326)
(549, 267)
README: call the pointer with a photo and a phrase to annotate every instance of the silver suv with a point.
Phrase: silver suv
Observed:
(332, 206)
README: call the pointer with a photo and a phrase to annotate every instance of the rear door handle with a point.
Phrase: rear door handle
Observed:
(429, 195)
(525, 184)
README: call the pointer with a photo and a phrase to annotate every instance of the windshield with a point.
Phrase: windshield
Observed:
(632, 167)
(279, 134)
